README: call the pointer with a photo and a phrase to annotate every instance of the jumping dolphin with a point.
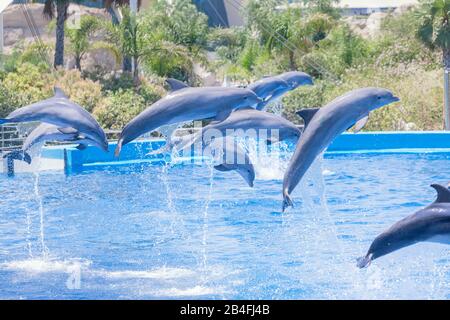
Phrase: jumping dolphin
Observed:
(49, 132)
(248, 119)
(187, 104)
(324, 124)
(60, 111)
(296, 79)
(232, 158)
(431, 224)
(269, 87)
(293, 79)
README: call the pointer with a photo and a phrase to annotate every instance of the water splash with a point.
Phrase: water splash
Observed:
(44, 249)
(271, 164)
(28, 238)
(210, 164)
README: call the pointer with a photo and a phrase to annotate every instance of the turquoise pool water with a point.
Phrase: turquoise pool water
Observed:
(186, 231)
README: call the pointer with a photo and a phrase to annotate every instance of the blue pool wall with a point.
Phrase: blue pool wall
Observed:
(363, 142)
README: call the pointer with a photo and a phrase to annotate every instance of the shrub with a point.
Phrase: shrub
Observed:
(85, 92)
(118, 108)
(24, 86)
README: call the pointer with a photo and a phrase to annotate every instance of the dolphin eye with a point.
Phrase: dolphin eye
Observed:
(245, 98)
(379, 97)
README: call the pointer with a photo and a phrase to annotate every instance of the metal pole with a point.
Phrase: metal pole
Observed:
(447, 99)
(133, 9)
(1, 33)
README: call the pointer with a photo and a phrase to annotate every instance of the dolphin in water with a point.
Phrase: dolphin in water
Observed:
(324, 124)
(60, 111)
(431, 224)
(187, 104)
(249, 121)
(232, 157)
(49, 132)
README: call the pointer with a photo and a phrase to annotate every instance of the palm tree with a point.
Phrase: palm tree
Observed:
(434, 31)
(110, 5)
(136, 37)
(79, 38)
(58, 9)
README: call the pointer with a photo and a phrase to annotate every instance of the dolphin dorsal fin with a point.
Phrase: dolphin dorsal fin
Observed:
(443, 193)
(307, 114)
(175, 84)
(59, 93)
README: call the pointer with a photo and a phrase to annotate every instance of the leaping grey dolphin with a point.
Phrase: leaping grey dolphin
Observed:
(247, 119)
(296, 78)
(324, 124)
(233, 158)
(267, 88)
(49, 132)
(270, 91)
(187, 104)
(63, 113)
(431, 224)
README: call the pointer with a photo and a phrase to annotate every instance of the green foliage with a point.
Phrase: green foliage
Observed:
(172, 18)
(85, 92)
(304, 97)
(24, 86)
(80, 38)
(119, 108)
(323, 6)
(434, 29)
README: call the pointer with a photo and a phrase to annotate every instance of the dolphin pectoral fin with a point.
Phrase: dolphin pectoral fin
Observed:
(307, 115)
(81, 146)
(287, 200)
(364, 262)
(175, 84)
(59, 93)
(360, 124)
(222, 167)
(68, 130)
(443, 193)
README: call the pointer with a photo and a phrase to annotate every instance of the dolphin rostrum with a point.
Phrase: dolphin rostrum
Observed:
(431, 224)
(187, 104)
(60, 111)
(324, 124)
(49, 132)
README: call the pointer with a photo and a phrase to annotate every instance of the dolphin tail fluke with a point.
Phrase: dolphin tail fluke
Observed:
(118, 148)
(287, 200)
(364, 262)
(3, 121)
(19, 155)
